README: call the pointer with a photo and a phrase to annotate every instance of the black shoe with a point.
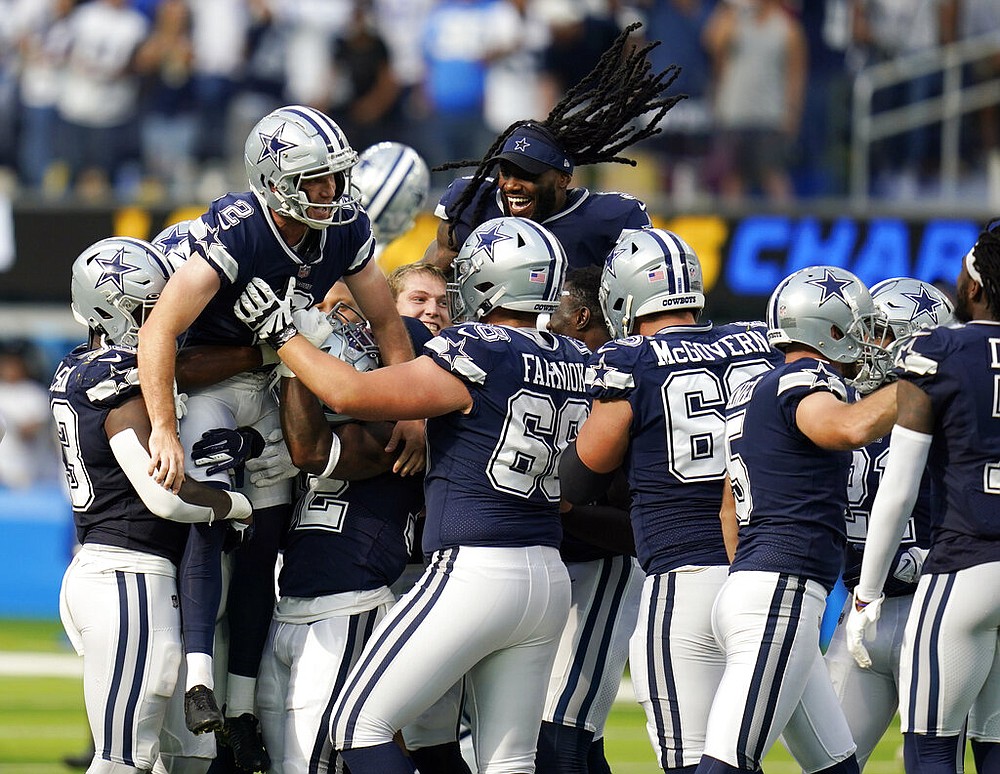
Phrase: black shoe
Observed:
(242, 734)
(81, 760)
(201, 713)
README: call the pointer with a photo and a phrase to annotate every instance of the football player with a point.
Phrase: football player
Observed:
(300, 227)
(119, 601)
(660, 390)
(606, 585)
(947, 398)
(502, 400)
(534, 162)
(346, 547)
(789, 436)
(420, 290)
(870, 696)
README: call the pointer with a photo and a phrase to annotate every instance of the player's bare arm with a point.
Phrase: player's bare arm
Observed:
(205, 365)
(727, 516)
(442, 251)
(183, 298)
(604, 436)
(128, 429)
(832, 424)
(316, 448)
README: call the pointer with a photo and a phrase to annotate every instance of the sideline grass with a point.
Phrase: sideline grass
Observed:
(42, 720)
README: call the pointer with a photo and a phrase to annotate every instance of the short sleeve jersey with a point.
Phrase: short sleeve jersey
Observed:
(587, 227)
(88, 384)
(677, 383)
(240, 241)
(791, 495)
(959, 369)
(492, 475)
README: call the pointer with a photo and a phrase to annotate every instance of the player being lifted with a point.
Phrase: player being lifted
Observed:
(948, 422)
(118, 600)
(620, 102)
(660, 389)
(503, 399)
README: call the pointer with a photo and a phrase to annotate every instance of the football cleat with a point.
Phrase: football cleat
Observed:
(242, 734)
(201, 713)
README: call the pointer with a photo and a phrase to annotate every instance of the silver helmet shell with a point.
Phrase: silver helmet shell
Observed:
(115, 283)
(297, 143)
(649, 270)
(350, 340)
(509, 263)
(828, 309)
(910, 305)
(394, 183)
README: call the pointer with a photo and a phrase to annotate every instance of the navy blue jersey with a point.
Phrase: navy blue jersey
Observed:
(239, 239)
(867, 467)
(959, 369)
(87, 385)
(587, 227)
(493, 474)
(350, 535)
(678, 382)
(791, 495)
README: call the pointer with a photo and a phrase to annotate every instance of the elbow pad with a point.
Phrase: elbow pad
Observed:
(579, 484)
(134, 460)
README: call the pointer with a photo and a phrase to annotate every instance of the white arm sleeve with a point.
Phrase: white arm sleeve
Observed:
(134, 460)
(334, 458)
(893, 504)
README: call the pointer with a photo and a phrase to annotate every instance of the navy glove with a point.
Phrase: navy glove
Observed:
(225, 449)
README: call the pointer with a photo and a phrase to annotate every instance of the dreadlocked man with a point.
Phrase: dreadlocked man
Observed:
(594, 123)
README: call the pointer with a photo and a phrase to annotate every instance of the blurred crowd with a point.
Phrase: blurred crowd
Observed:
(150, 99)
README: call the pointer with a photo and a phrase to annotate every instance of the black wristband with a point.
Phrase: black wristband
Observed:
(282, 337)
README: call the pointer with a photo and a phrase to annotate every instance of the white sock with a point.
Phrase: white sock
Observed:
(199, 671)
(240, 692)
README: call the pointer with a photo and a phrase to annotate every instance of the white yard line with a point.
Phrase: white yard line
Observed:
(13, 664)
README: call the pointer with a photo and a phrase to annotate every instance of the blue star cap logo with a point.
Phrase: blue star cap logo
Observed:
(522, 144)
(831, 285)
(272, 146)
(924, 303)
(114, 269)
(487, 238)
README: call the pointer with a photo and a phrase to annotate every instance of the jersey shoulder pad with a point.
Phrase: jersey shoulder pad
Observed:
(920, 353)
(807, 376)
(109, 378)
(610, 370)
(469, 350)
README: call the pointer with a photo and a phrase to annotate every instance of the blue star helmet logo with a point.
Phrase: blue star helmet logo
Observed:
(831, 286)
(486, 239)
(521, 144)
(924, 303)
(114, 269)
(172, 239)
(272, 146)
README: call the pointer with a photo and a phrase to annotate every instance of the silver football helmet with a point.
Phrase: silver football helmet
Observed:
(394, 182)
(513, 263)
(648, 270)
(907, 305)
(293, 144)
(829, 309)
(115, 283)
(173, 242)
(350, 340)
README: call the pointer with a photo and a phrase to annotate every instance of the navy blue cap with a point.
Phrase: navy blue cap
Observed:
(534, 150)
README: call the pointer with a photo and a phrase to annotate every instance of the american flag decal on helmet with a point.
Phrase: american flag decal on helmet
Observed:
(537, 276)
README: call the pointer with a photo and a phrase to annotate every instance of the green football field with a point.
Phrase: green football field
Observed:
(42, 719)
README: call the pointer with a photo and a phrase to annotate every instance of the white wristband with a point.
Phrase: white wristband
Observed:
(334, 458)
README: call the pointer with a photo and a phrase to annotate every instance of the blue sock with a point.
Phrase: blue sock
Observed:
(385, 758)
(931, 754)
(200, 586)
(846, 766)
(596, 762)
(562, 749)
(710, 765)
(987, 757)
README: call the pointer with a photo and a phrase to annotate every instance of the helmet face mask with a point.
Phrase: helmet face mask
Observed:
(649, 270)
(394, 182)
(350, 340)
(511, 263)
(907, 305)
(292, 146)
(830, 310)
(115, 284)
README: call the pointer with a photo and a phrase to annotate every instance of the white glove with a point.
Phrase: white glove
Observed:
(273, 465)
(859, 623)
(266, 313)
(910, 564)
(313, 325)
(180, 403)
